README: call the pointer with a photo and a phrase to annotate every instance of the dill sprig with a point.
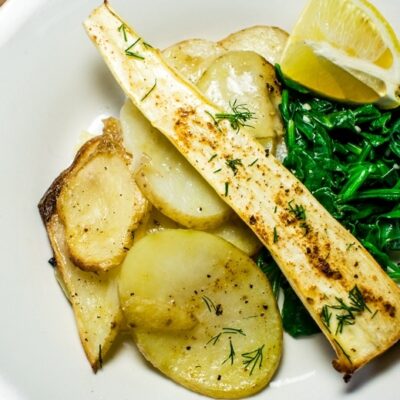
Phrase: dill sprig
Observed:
(122, 29)
(130, 53)
(298, 210)
(252, 358)
(151, 89)
(213, 119)
(226, 331)
(226, 188)
(209, 303)
(233, 164)
(276, 237)
(357, 300)
(348, 313)
(232, 353)
(212, 157)
(233, 331)
(215, 339)
(237, 118)
(326, 317)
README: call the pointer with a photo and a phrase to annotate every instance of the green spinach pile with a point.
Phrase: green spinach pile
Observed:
(349, 159)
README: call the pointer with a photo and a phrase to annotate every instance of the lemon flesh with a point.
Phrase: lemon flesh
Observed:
(345, 50)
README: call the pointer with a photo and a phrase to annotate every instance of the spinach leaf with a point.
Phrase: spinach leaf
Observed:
(295, 318)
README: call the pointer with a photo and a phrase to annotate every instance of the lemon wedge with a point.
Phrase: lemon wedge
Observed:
(345, 50)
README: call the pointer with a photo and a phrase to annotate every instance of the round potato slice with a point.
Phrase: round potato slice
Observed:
(268, 41)
(235, 231)
(168, 181)
(214, 324)
(244, 81)
(154, 222)
(192, 57)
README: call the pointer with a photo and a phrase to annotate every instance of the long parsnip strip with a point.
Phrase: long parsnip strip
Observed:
(327, 267)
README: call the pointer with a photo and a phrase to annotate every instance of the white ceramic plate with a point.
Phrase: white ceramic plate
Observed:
(53, 85)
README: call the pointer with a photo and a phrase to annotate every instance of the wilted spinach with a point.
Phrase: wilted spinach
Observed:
(349, 158)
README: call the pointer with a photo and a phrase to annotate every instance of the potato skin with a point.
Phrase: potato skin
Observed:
(48, 203)
(94, 241)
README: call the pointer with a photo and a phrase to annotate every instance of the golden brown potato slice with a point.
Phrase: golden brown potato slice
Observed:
(242, 81)
(100, 204)
(94, 298)
(192, 57)
(268, 41)
(201, 312)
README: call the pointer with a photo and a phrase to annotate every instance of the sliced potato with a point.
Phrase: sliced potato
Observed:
(268, 41)
(154, 222)
(94, 298)
(235, 231)
(170, 183)
(100, 204)
(244, 78)
(192, 57)
(217, 328)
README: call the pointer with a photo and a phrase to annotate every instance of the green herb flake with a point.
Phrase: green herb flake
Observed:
(231, 355)
(209, 303)
(252, 359)
(347, 313)
(233, 164)
(130, 53)
(212, 157)
(276, 237)
(234, 331)
(237, 118)
(151, 89)
(297, 210)
(214, 339)
(122, 29)
(252, 163)
(326, 317)
(226, 188)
